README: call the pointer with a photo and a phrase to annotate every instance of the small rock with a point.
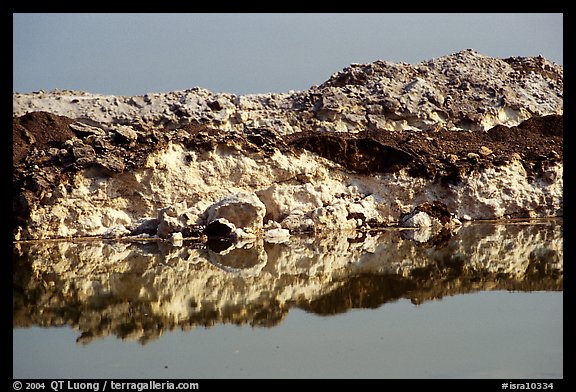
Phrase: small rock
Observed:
(110, 163)
(420, 219)
(169, 222)
(216, 105)
(485, 151)
(277, 236)
(428, 214)
(452, 158)
(473, 156)
(83, 130)
(137, 101)
(83, 152)
(244, 210)
(176, 239)
(125, 134)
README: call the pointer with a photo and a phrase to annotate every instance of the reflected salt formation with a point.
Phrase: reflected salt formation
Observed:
(138, 290)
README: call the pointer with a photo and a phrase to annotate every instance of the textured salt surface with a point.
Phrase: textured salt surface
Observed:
(461, 137)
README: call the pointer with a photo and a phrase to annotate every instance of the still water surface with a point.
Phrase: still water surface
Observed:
(482, 335)
(485, 302)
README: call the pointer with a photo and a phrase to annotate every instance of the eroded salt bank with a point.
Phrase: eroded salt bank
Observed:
(461, 137)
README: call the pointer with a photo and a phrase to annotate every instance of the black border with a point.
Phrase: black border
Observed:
(446, 384)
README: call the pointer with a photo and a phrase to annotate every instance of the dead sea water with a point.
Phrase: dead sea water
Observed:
(484, 302)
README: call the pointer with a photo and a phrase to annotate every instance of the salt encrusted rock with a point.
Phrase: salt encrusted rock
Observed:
(277, 236)
(169, 222)
(281, 200)
(429, 219)
(429, 214)
(244, 210)
(418, 220)
(333, 215)
(176, 239)
(298, 222)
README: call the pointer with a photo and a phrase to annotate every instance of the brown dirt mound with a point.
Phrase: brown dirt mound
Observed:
(38, 129)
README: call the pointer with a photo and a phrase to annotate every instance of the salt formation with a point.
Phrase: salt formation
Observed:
(473, 136)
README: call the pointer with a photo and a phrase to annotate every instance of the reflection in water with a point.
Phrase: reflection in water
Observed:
(139, 290)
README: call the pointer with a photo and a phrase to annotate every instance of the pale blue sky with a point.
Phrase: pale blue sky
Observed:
(133, 54)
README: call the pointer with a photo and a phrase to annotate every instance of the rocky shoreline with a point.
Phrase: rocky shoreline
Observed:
(462, 137)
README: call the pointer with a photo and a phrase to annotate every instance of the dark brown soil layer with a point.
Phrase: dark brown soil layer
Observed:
(439, 152)
(442, 154)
